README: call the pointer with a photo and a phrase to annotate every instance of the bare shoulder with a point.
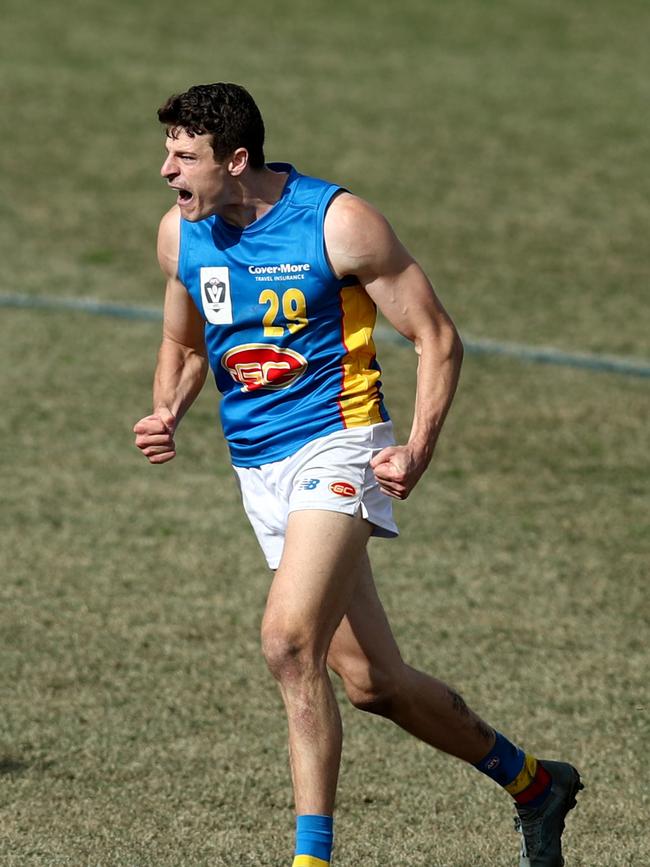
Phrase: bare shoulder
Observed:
(358, 238)
(353, 222)
(169, 234)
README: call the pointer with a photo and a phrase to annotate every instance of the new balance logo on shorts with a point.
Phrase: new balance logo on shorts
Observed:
(308, 484)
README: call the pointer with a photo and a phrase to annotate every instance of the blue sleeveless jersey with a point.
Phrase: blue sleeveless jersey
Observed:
(289, 343)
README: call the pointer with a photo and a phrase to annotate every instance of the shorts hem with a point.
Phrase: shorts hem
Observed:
(380, 531)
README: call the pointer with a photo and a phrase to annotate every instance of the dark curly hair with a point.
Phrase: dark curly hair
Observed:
(226, 111)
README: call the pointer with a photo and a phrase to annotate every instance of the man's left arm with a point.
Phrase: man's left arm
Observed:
(360, 241)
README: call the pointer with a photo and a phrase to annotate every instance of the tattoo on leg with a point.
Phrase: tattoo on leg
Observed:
(460, 706)
(458, 702)
(484, 730)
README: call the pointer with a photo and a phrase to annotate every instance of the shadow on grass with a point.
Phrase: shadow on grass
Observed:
(11, 765)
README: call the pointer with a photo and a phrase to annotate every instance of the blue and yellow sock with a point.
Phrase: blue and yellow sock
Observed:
(314, 839)
(520, 774)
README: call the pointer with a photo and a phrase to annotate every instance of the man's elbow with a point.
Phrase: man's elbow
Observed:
(457, 349)
(442, 339)
(450, 343)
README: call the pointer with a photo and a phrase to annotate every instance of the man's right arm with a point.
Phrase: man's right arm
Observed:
(182, 360)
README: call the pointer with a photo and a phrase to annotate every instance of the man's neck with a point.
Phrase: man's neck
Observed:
(254, 197)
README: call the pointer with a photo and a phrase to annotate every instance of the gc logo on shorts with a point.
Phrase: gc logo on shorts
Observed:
(343, 489)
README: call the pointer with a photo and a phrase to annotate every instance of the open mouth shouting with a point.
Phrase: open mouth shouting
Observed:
(184, 196)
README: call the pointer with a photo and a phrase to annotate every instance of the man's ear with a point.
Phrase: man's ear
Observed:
(238, 162)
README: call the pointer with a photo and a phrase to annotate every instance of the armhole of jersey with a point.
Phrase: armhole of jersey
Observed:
(321, 253)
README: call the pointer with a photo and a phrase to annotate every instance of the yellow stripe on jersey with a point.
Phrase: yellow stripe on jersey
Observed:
(309, 861)
(524, 778)
(359, 398)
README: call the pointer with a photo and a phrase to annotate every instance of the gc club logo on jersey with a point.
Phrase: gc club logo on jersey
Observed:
(263, 366)
(343, 489)
(215, 295)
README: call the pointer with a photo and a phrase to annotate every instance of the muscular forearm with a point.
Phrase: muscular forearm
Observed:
(440, 351)
(180, 374)
(440, 357)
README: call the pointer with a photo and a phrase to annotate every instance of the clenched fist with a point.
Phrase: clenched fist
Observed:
(398, 469)
(154, 436)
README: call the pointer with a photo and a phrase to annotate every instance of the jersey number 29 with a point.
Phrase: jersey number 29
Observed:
(294, 309)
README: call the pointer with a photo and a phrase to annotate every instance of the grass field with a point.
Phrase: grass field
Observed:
(509, 144)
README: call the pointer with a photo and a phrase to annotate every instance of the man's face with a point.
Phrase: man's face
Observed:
(190, 168)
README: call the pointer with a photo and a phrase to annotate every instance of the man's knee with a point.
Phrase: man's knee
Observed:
(288, 652)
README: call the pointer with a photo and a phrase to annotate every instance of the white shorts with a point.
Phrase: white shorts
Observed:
(331, 473)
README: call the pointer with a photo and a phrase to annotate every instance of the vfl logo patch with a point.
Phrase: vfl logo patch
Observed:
(215, 295)
(261, 365)
(308, 484)
(343, 489)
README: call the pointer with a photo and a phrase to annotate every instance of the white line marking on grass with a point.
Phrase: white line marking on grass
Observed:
(474, 346)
